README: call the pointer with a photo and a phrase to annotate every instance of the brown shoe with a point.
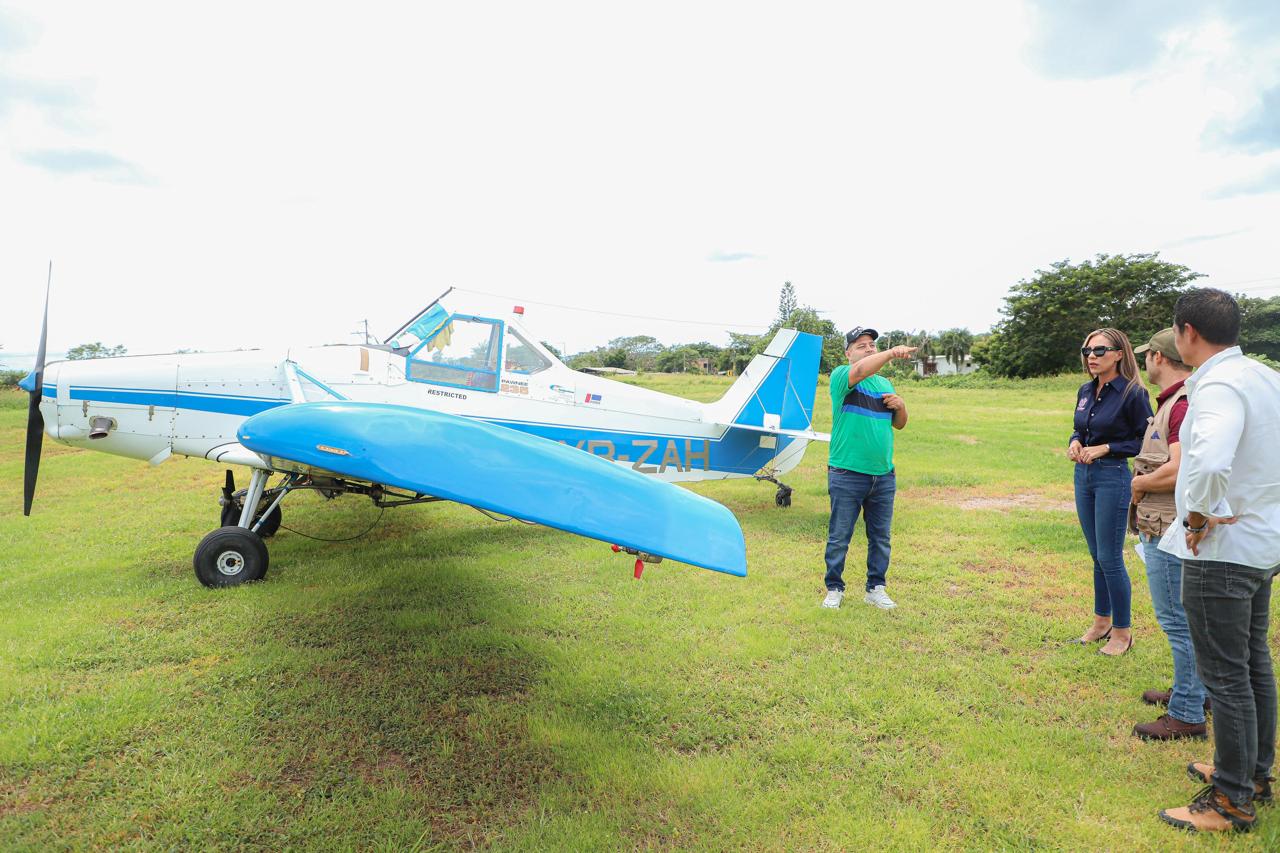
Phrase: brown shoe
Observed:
(1170, 728)
(1162, 697)
(1211, 811)
(1199, 771)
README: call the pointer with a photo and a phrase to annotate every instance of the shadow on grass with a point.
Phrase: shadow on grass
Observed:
(417, 686)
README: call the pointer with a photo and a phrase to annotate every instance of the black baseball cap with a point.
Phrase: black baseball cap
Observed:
(857, 332)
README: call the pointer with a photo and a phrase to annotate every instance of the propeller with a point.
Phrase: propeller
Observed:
(35, 420)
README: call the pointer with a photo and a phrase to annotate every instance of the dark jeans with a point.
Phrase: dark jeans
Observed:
(853, 493)
(1228, 609)
(1102, 503)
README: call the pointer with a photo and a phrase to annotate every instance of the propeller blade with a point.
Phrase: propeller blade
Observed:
(35, 420)
(44, 328)
(35, 440)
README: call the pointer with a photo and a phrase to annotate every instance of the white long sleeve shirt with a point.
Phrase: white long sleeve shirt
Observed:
(1231, 461)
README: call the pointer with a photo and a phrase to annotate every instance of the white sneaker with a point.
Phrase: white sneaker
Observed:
(833, 598)
(880, 599)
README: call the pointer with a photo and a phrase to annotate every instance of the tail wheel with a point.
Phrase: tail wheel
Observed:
(230, 556)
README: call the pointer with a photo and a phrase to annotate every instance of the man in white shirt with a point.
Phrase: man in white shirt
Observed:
(1228, 537)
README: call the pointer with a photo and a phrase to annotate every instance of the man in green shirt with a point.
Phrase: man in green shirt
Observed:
(860, 478)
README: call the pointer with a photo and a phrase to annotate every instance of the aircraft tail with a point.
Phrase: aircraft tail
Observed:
(775, 393)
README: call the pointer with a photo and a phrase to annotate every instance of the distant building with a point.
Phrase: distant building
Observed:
(938, 366)
(702, 365)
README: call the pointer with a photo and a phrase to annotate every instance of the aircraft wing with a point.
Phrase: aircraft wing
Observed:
(504, 471)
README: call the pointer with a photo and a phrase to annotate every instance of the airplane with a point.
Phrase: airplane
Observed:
(454, 405)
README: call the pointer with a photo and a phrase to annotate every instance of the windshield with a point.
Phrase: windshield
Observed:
(522, 357)
(462, 352)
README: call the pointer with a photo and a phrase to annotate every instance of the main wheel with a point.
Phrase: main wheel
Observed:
(230, 556)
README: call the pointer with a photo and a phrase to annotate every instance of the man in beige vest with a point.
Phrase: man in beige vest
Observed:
(1152, 512)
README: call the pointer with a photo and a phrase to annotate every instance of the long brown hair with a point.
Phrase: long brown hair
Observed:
(1128, 364)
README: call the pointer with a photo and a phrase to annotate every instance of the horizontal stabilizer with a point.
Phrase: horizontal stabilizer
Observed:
(807, 434)
(503, 471)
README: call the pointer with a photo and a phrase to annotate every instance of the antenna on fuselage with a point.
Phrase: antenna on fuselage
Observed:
(391, 337)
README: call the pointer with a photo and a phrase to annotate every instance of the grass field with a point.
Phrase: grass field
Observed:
(449, 682)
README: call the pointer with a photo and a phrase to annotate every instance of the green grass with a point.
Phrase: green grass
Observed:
(451, 682)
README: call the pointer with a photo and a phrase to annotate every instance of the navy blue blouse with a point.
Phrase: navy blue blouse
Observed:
(1115, 417)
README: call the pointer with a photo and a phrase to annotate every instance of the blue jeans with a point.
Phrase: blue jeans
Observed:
(1102, 502)
(1164, 577)
(853, 493)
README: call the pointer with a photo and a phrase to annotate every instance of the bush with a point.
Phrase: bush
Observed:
(11, 378)
(1269, 362)
(985, 379)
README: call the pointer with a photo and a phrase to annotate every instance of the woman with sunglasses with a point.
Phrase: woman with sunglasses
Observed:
(1112, 410)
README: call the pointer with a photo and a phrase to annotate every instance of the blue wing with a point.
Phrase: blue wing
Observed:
(505, 471)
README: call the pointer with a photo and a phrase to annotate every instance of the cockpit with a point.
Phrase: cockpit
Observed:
(467, 350)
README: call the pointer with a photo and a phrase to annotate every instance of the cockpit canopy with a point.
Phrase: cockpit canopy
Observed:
(466, 350)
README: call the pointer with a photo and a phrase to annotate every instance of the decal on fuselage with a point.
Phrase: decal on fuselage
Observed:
(644, 457)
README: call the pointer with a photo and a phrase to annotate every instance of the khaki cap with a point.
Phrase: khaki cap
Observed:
(1161, 342)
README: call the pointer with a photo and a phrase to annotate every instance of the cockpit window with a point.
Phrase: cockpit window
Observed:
(521, 355)
(464, 352)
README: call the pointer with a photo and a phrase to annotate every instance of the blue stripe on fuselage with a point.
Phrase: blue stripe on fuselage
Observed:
(230, 404)
(735, 452)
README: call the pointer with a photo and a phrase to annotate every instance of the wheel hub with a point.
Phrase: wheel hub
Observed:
(230, 563)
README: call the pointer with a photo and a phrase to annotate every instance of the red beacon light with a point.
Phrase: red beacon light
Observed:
(519, 309)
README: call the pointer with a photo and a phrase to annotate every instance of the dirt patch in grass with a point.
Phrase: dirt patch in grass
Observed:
(1008, 503)
(975, 500)
(965, 439)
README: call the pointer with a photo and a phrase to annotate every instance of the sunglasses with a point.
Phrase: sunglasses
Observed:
(1099, 352)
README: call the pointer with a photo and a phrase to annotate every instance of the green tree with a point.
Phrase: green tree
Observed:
(549, 348)
(1260, 326)
(1047, 316)
(94, 350)
(954, 345)
(742, 347)
(640, 352)
(787, 305)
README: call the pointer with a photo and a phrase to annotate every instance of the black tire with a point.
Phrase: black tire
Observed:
(231, 518)
(230, 556)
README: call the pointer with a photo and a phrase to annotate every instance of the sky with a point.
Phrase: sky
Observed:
(248, 174)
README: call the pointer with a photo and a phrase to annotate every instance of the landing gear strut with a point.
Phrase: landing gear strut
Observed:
(783, 496)
(235, 553)
(265, 523)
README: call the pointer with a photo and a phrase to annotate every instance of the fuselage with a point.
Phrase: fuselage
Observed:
(192, 404)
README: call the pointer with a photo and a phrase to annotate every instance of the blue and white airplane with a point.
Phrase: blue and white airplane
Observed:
(454, 406)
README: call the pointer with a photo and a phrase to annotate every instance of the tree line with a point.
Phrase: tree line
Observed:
(1042, 323)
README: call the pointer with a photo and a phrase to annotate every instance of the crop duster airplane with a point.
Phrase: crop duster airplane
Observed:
(454, 406)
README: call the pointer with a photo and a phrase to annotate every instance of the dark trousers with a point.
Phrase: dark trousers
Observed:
(1102, 504)
(872, 496)
(1229, 609)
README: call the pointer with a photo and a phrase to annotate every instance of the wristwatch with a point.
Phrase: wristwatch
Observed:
(1191, 529)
